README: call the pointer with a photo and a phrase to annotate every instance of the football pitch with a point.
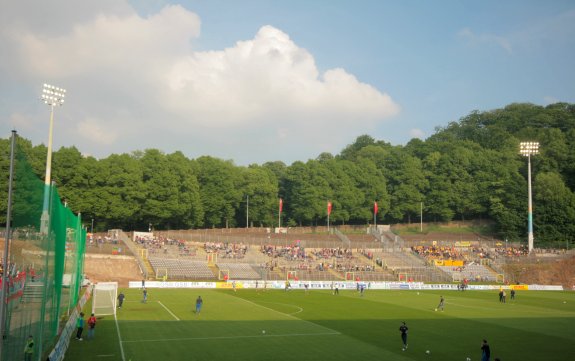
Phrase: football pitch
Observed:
(295, 325)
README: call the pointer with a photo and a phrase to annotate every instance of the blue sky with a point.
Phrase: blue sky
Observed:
(257, 81)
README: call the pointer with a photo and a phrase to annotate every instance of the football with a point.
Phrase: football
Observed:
(264, 332)
(428, 352)
(468, 359)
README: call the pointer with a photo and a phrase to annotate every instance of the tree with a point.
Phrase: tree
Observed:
(554, 208)
(219, 191)
(261, 186)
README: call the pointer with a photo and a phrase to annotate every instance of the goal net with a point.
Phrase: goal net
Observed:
(224, 275)
(104, 298)
(162, 274)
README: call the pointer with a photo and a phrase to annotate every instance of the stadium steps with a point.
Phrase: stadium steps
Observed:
(337, 274)
(215, 270)
(33, 292)
(150, 269)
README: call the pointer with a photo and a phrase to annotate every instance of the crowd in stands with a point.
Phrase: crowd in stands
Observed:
(100, 240)
(438, 252)
(290, 253)
(162, 244)
(512, 251)
(226, 249)
(327, 253)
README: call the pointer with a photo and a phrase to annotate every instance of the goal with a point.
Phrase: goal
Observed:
(104, 298)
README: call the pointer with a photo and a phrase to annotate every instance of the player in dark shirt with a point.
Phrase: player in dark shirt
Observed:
(485, 351)
(403, 329)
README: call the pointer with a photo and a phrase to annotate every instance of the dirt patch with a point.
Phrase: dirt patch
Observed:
(121, 269)
(559, 272)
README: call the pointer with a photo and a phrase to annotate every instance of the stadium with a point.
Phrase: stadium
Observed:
(292, 293)
(287, 180)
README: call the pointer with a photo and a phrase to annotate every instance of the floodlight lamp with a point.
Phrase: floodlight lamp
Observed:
(528, 148)
(53, 95)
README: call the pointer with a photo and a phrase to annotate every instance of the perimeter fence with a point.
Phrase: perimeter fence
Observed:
(43, 274)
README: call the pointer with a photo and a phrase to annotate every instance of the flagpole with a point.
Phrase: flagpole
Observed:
(328, 212)
(280, 215)
(375, 214)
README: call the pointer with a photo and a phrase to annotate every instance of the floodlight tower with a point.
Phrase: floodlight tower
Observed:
(53, 96)
(526, 149)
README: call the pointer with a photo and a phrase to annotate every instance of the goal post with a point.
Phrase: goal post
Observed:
(104, 297)
(212, 259)
(162, 274)
(291, 276)
(224, 275)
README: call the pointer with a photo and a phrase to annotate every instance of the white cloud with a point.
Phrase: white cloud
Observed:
(416, 133)
(94, 130)
(136, 83)
(550, 100)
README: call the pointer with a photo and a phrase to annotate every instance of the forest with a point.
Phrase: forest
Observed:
(468, 170)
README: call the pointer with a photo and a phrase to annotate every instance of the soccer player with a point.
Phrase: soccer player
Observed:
(80, 326)
(91, 326)
(403, 329)
(336, 291)
(121, 299)
(234, 285)
(145, 296)
(199, 303)
(441, 302)
(512, 293)
(485, 351)
(29, 349)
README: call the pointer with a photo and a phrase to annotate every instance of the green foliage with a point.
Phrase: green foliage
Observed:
(469, 169)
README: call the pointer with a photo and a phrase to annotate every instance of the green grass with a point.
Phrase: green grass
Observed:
(321, 326)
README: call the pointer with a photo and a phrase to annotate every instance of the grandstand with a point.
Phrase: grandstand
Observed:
(471, 272)
(240, 271)
(181, 269)
(315, 254)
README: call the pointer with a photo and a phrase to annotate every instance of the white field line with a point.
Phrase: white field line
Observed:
(290, 315)
(236, 337)
(287, 304)
(170, 312)
(112, 355)
(119, 339)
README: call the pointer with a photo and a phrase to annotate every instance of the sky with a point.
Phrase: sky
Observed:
(256, 81)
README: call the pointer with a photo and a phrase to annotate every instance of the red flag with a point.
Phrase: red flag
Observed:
(281, 204)
(374, 207)
(328, 208)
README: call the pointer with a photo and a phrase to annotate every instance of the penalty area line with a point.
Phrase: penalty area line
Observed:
(289, 315)
(235, 337)
(170, 312)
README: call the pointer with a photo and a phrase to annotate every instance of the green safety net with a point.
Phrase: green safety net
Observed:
(45, 268)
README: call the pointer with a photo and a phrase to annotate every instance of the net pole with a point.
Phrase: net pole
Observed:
(7, 246)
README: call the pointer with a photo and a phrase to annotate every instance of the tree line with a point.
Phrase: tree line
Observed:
(469, 169)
